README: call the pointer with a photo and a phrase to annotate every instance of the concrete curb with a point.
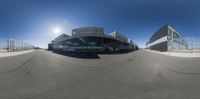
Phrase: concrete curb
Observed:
(187, 55)
(14, 53)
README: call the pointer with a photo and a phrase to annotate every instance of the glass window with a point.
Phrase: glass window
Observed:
(170, 33)
(92, 43)
(175, 35)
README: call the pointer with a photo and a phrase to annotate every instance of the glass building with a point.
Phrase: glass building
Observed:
(91, 39)
(168, 39)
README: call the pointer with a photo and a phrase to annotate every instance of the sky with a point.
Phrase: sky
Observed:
(36, 21)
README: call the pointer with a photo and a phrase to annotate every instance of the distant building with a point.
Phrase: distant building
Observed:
(92, 39)
(50, 46)
(167, 38)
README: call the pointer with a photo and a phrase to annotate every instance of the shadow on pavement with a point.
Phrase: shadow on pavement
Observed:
(83, 55)
(88, 55)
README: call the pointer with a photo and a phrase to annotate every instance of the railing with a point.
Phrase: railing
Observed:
(11, 45)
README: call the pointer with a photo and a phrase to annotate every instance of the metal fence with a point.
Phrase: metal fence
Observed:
(193, 44)
(11, 45)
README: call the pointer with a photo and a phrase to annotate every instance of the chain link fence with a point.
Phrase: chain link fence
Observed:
(12, 45)
(193, 44)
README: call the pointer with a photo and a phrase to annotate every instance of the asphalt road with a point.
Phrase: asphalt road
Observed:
(137, 75)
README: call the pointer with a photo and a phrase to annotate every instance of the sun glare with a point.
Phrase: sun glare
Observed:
(56, 31)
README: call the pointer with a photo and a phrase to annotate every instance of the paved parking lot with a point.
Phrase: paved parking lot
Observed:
(136, 75)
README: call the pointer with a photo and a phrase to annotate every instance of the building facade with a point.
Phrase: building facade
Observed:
(88, 31)
(118, 36)
(168, 39)
(91, 39)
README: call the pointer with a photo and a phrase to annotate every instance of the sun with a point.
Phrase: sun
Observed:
(56, 31)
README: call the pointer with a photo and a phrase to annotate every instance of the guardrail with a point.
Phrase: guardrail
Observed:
(12, 45)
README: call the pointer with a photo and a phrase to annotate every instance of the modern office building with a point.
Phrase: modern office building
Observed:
(88, 31)
(92, 39)
(119, 36)
(168, 39)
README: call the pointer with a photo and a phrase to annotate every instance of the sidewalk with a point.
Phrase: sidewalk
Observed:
(7, 54)
(176, 54)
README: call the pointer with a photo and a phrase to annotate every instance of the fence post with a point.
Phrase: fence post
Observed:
(8, 42)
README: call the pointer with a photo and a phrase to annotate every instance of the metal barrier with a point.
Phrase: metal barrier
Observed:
(11, 45)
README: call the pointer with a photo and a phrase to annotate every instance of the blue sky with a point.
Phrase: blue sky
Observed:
(33, 21)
